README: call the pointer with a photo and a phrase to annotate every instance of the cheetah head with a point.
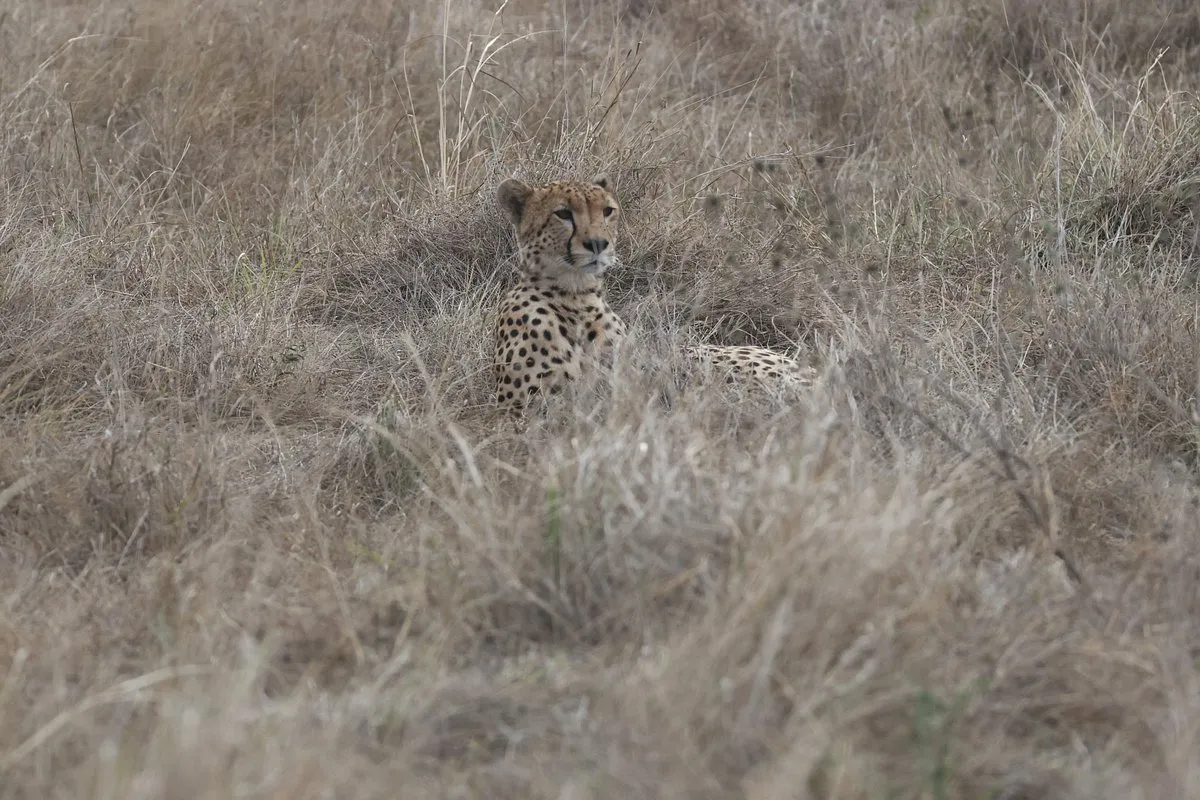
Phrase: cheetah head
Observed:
(565, 229)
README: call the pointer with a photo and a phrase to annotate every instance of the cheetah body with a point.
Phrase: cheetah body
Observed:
(766, 368)
(555, 322)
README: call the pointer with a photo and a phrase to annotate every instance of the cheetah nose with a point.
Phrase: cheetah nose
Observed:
(597, 246)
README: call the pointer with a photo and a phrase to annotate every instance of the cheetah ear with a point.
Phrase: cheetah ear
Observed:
(601, 180)
(513, 195)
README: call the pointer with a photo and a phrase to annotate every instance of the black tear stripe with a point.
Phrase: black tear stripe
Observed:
(570, 258)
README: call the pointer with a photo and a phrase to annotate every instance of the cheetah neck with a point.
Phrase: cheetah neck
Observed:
(568, 287)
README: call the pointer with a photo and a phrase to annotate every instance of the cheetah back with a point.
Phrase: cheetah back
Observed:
(768, 368)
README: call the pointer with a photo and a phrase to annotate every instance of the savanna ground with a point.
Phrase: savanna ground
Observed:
(261, 534)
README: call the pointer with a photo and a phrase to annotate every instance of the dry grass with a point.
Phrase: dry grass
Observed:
(261, 534)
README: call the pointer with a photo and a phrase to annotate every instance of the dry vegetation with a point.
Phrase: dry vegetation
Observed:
(262, 536)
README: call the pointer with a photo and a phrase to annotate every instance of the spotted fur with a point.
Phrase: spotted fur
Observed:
(769, 369)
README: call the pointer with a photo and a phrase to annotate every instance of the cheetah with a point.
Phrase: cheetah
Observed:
(556, 322)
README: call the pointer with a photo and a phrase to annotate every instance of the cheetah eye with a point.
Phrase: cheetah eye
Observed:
(564, 213)
(608, 211)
